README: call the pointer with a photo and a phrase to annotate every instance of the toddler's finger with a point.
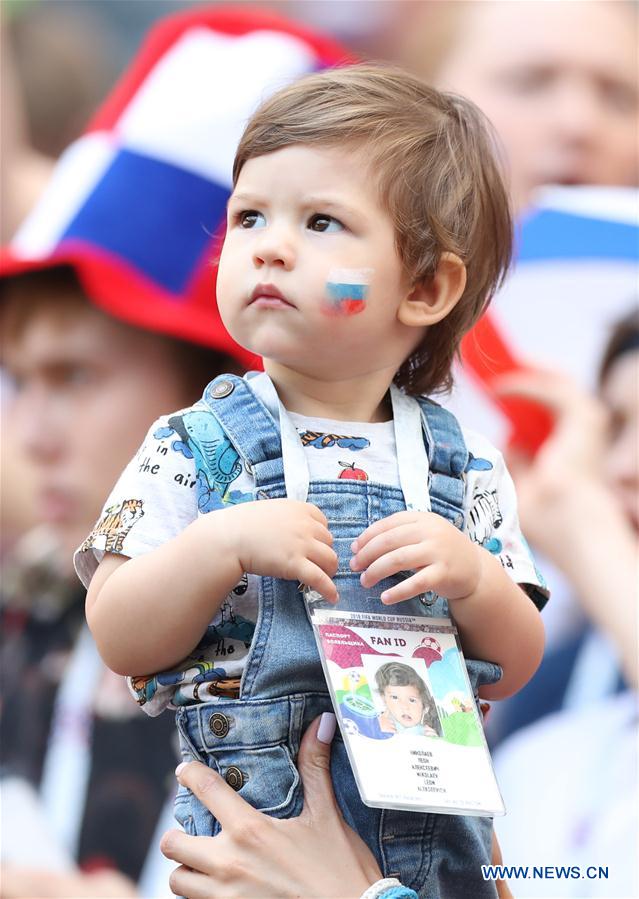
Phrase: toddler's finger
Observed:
(394, 538)
(325, 557)
(419, 583)
(405, 558)
(322, 533)
(317, 514)
(379, 527)
(313, 576)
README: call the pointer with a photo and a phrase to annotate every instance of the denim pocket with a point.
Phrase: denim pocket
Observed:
(265, 777)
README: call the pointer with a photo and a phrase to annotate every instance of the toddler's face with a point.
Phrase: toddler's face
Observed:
(309, 276)
(404, 704)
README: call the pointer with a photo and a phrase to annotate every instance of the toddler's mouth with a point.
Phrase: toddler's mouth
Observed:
(268, 295)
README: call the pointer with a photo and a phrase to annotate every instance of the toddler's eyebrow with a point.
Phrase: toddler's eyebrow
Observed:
(318, 201)
(328, 202)
(253, 199)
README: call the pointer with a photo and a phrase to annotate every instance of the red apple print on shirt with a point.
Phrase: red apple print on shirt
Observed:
(350, 473)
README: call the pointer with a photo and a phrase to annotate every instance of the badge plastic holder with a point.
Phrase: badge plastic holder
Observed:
(406, 711)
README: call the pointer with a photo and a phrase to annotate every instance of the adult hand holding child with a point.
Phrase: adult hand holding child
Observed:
(315, 854)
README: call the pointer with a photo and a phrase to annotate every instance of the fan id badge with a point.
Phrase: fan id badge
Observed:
(406, 711)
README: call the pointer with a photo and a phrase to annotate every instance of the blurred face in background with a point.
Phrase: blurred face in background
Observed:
(557, 79)
(86, 388)
(620, 392)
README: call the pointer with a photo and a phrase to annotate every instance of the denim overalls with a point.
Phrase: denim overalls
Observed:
(253, 741)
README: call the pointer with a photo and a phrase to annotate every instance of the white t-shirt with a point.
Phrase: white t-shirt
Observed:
(160, 493)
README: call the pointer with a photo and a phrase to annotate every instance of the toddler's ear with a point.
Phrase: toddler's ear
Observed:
(430, 302)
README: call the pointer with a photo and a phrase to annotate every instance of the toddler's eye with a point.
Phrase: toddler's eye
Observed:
(323, 223)
(250, 218)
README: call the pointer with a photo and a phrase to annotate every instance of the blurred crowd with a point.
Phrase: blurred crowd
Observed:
(83, 376)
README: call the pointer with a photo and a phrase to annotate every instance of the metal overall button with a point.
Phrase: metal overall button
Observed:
(219, 725)
(235, 778)
(222, 389)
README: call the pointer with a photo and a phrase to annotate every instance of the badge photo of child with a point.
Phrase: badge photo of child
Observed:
(409, 704)
(367, 230)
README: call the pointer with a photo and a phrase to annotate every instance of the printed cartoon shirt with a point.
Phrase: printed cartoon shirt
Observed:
(187, 467)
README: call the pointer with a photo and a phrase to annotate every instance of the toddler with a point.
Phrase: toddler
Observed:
(409, 706)
(367, 229)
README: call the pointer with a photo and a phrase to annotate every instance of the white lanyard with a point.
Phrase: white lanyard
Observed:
(67, 765)
(412, 459)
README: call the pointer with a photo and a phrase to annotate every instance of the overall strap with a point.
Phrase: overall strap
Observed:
(249, 426)
(447, 458)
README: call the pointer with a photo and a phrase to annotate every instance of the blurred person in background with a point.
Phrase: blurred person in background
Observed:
(558, 81)
(59, 348)
(109, 319)
(23, 170)
(18, 509)
(579, 502)
(53, 70)
(65, 62)
(580, 508)
(56, 65)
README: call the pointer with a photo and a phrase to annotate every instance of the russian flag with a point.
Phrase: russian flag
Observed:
(575, 275)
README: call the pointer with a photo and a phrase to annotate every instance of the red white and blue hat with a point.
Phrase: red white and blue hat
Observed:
(137, 204)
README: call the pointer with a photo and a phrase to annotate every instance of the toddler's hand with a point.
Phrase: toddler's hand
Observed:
(444, 559)
(285, 539)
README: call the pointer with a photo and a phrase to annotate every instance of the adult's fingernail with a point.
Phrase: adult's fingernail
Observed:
(180, 768)
(326, 729)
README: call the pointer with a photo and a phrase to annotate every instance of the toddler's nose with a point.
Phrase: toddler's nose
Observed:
(274, 248)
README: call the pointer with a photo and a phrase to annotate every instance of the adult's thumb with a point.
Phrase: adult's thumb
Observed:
(314, 764)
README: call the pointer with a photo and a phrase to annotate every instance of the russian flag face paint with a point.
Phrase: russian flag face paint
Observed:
(346, 291)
